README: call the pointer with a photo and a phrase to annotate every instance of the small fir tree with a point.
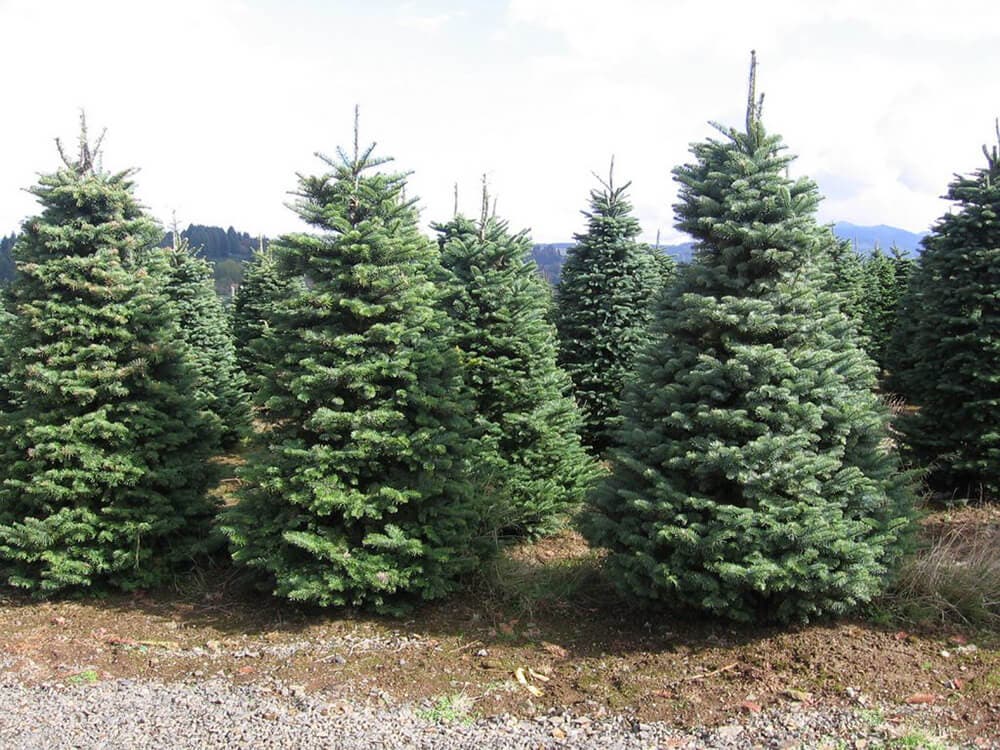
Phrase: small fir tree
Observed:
(261, 287)
(879, 304)
(847, 278)
(219, 384)
(904, 265)
(948, 349)
(104, 452)
(604, 301)
(666, 268)
(532, 457)
(753, 481)
(358, 490)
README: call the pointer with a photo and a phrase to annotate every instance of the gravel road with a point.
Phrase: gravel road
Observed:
(215, 713)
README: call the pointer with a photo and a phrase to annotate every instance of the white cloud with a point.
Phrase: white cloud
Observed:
(409, 17)
(220, 102)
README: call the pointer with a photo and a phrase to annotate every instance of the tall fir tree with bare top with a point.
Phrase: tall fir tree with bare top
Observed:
(532, 461)
(604, 299)
(358, 489)
(754, 481)
(105, 452)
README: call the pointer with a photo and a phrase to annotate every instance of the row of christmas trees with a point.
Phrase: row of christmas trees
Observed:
(411, 402)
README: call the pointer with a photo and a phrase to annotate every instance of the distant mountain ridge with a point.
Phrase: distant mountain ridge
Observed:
(864, 239)
(229, 249)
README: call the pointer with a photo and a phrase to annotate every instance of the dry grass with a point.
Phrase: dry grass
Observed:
(955, 577)
(558, 573)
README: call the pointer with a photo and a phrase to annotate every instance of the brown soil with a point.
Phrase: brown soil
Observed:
(545, 615)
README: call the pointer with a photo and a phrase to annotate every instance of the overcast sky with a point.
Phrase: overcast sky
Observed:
(221, 102)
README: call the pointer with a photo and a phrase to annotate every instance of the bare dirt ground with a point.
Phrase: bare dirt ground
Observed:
(541, 633)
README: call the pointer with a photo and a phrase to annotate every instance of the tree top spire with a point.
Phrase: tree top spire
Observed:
(992, 155)
(755, 104)
(88, 159)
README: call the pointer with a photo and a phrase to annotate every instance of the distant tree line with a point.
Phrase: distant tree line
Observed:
(226, 249)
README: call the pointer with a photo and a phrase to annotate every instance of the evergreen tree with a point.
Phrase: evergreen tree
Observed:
(6, 356)
(753, 481)
(262, 286)
(219, 383)
(905, 266)
(666, 268)
(948, 353)
(105, 455)
(848, 279)
(879, 304)
(603, 306)
(6, 259)
(358, 491)
(499, 305)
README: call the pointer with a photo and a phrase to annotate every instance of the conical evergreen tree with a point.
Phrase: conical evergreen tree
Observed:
(262, 286)
(848, 279)
(358, 492)
(948, 355)
(604, 301)
(879, 304)
(753, 481)
(666, 268)
(6, 355)
(219, 384)
(532, 456)
(105, 455)
(905, 266)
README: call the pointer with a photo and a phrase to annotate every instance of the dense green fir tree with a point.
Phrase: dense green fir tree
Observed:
(847, 278)
(532, 456)
(6, 259)
(947, 356)
(219, 383)
(666, 268)
(6, 356)
(753, 481)
(905, 265)
(359, 491)
(104, 452)
(880, 303)
(262, 286)
(604, 299)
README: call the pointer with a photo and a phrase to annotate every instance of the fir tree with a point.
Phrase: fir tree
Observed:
(219, 384)
(948, 354)
(905, 266)
(666, 268)
(603, 306)
(532, 456)
(879, 304)
(105, 455)
(358, 491)
(753, 481)
(262, 286)
(848, 279)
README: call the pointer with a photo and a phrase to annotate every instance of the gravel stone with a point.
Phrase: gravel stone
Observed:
(215, 714)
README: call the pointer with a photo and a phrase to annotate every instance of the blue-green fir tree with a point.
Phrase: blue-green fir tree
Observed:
(219, 384)
(754, 481)
(533, 465)
(358, 490)
(848, 279)
(105, 454)
(261, 287)
(947, 349)
(604, 300)
(879, 303)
